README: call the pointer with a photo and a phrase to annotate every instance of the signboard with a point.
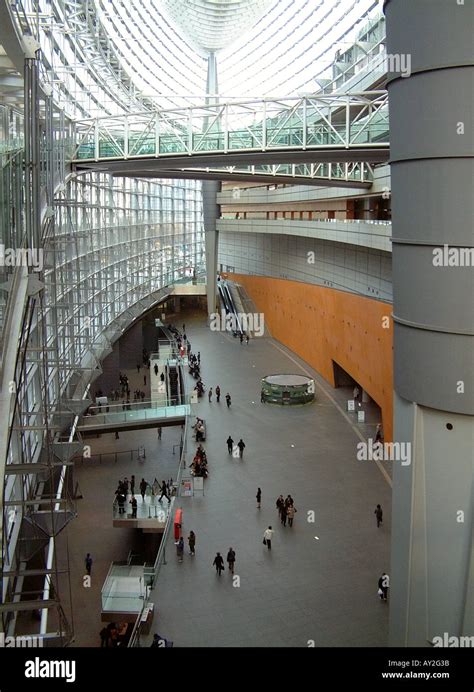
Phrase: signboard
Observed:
(361, 416)
(198, 482)
(187, 489)
(141, 452)
(350, 405)
(194, 397)
(102, 400)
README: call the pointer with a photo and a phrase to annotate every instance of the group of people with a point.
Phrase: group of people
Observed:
(180, 546)
(165, 488)
(194, 364)
(286, 509)
(124, 384)
(110, 636)
(228, 398)
(240, 446)
(138, 394)
(219, 562)
(126, 488)
(199, 464)
(200, 388)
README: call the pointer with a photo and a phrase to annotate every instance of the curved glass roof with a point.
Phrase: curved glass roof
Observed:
(162, 45)
(108, 57)
(214, 24)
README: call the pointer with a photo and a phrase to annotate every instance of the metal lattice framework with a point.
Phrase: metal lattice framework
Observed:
(330, 122)
(108, 247)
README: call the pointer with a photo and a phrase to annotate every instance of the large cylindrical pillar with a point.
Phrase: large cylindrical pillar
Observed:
(210, 188)
(432, 147)
(211, 213)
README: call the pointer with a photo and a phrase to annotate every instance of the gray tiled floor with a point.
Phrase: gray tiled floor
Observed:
(304, 589)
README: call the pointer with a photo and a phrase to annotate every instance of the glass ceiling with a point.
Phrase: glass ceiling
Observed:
(292, 44)
(211, 25)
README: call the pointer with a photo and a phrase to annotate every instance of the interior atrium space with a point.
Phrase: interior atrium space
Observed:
(236, 333)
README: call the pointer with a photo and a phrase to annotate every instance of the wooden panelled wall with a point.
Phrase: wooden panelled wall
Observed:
(322, 324)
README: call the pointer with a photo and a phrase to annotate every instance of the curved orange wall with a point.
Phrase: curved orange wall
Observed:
(321, 325)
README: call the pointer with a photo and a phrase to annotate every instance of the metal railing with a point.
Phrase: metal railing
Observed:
(115, 455)
(310, 122)
(161, 555)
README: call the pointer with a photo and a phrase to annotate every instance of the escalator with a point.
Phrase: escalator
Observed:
(229, 307)
(172, 378)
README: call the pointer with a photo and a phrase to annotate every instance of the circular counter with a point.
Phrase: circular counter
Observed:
(287, 389)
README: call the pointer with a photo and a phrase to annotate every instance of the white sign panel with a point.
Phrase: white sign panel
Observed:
(198, 482)
(350, 405)
(361, 416)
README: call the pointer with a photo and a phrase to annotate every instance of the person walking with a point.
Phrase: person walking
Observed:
(378, 515)
(231, 560)
(230, 444)
(209, 395)
(162, 376)
(180, 549)
(241, 446)
(159, 433)
(228, 400)
(241, 337)
(259, 498)
(117, 436)
(138, 367)
(143, 487)
(247, 339)
(199, 357)
(355, 393)
(267, 537)
(133, 502)
(88, 562)
(219, 563)
(132, 484)
(218, 394)
(379, 435)
(283, 514)
(290, 513)
(164, 492)
(280, 503)
(383, 584)
(192, 542)
(156, 369)
(144, 380)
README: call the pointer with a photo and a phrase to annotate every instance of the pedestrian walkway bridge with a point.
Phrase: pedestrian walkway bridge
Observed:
(312, 139)
(139, 415)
